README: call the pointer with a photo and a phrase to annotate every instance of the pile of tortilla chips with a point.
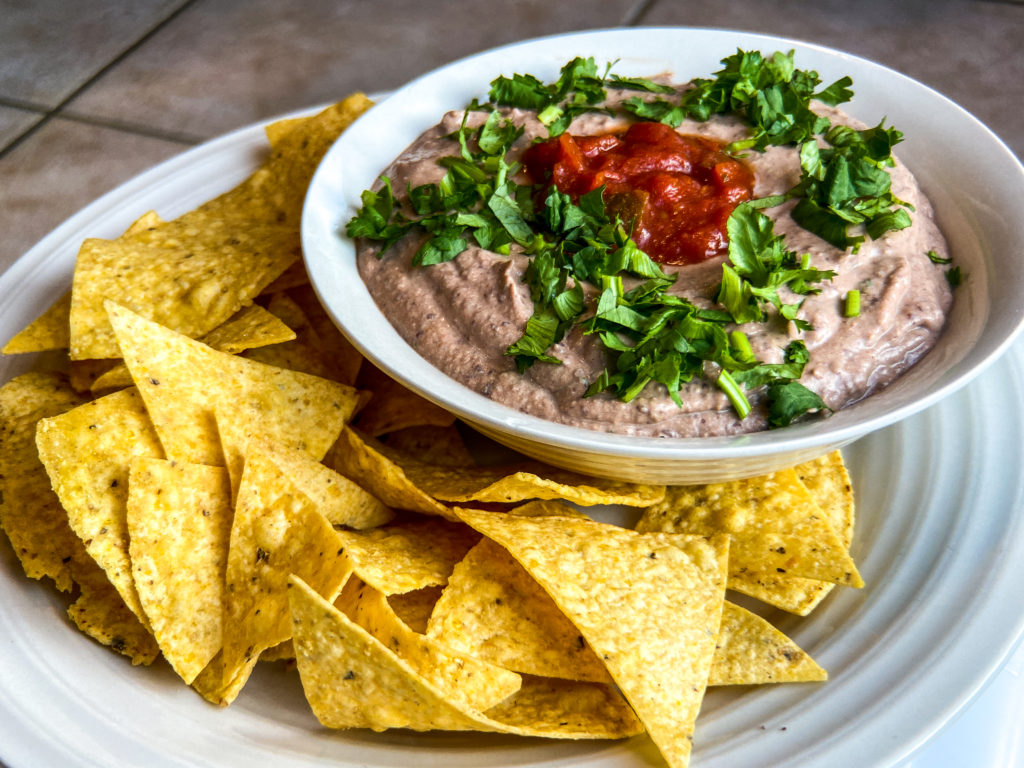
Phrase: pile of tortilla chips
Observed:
(219, 480)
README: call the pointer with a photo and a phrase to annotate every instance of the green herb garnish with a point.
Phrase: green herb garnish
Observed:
(852, 306)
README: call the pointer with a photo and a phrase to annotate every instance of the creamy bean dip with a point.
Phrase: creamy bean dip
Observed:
(462, 315)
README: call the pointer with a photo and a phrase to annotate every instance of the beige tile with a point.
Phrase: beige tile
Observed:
(59, 169)
(48, 48)
(225, 63)
(973, 52)
(14, 122)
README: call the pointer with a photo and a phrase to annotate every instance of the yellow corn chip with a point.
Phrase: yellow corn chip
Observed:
(277, 532)
(281, 652)
(87, 452)
(649, 605)
(30, 512)
(48, 331)
(193, 273)
(51, 329)
(529, 481)
(828, 482)
(352, 680)
(465, 681)
(409, 554)
(774, 522)
(248, 328)
(84, 373)
(394, 407)
(183, 381)
(277, 130)
(751, 651)
(494, 610)
(337, 498)
(101, 613)
(212, 686)
(362, 462)
(179, 523)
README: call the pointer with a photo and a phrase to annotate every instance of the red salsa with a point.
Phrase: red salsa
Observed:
(678, 191)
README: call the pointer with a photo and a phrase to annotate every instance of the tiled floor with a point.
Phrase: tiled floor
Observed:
(91, 93)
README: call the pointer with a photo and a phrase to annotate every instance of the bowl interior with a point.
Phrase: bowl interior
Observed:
(971, 177)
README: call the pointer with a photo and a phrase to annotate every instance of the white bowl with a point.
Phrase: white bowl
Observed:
(974, 181)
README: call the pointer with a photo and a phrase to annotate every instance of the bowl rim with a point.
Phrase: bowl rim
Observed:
(494, 417)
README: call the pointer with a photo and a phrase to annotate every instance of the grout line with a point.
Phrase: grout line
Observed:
(50, 114)
(635, 14)
(128, 127)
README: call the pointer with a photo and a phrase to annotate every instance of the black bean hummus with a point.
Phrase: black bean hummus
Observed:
(462, 315)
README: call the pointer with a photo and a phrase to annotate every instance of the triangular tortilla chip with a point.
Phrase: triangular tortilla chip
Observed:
(466, 681)
(101, 613)
(751, 651)
(183, 381)
(494, 610)
(828, 482)
(87, 452)
(248, 328)
(532, 480)
(306, 352)
(352, 680)
(409, 554)
(46, 332)
(277, 531)
(179, 523)
(345, 360)
(30, 512)
(442, 446)
(648, 604)
(775, 525)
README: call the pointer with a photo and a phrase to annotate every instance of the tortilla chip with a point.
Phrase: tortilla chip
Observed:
(193, 273)
(183, 380)
(751, 651)
(212, 685)
(281, 652)
(101, 613)
(46, 332)
(277, 532)
(395, 407)
(51, 330)
(829, 483)
(466, 682)
(527, 481)
(248, 328)
(408, 554)
(441, 446)
(775, 525)
(277, 130)
(649, 604)
(179, 523)
(352, 680)
(363, 463)
(494, 610)
(337, 498)
(30, 512)
(87, 452)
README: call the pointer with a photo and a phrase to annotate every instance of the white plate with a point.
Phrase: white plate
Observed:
(939, 539)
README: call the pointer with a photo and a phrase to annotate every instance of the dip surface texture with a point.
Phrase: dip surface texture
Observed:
(462, 315)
